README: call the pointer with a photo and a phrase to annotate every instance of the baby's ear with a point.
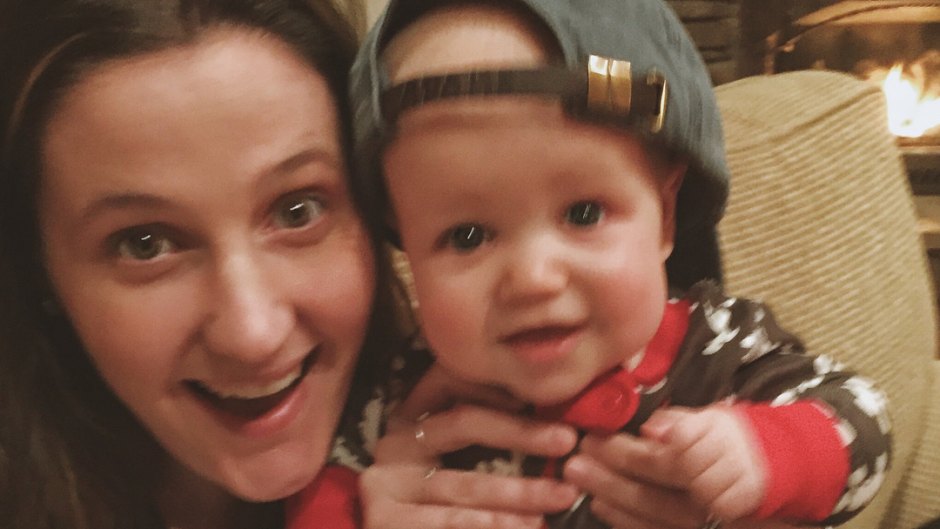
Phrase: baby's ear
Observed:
(669, 183)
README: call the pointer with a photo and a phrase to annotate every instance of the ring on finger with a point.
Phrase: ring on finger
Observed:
(431, 471)
(420, 436)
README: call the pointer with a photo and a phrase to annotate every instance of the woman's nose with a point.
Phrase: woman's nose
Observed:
(249, 318)
(534, 270)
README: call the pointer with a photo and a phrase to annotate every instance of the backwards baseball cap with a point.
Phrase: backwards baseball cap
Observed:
(627, 63)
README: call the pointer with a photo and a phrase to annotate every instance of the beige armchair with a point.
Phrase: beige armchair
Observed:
(822, 226)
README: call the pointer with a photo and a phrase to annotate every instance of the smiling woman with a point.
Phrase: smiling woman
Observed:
(186, 287)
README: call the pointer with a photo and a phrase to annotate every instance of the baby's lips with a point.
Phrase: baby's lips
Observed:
(605, 406)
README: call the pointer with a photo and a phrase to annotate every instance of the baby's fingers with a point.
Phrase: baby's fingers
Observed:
(634, 457)
(624, 501)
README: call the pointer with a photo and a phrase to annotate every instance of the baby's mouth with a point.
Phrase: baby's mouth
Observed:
(540, 334)
(251, 402)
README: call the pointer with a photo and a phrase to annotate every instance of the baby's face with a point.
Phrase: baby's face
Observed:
(537, 242)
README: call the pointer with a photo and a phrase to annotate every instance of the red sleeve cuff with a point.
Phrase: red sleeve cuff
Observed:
(805, 458)
(331, 501)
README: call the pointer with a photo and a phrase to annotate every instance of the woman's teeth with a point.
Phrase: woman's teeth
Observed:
(255, 391)
(251, 401)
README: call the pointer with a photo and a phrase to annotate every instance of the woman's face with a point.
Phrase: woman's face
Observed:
(198, 232)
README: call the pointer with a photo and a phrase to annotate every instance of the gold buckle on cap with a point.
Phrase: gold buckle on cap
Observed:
(657, 80)
(610, 91)
(609, 86)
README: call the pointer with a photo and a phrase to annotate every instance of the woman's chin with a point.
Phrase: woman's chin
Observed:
(272, 480)
(265, 492)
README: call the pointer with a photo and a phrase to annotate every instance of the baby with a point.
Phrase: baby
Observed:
(554, 171)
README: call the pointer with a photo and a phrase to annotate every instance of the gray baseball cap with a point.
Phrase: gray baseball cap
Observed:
(627, 63)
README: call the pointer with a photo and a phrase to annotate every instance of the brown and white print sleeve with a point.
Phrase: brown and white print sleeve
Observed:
(735, 351)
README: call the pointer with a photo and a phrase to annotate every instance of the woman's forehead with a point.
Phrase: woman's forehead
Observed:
(234, 106)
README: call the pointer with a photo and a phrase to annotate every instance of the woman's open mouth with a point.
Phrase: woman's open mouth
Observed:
(252, 402)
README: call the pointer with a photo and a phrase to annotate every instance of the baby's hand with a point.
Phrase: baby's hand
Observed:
(632, 483)
(715, 456)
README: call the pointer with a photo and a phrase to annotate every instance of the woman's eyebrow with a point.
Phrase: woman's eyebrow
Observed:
(131, 200)
(305, 157)
(121, 201)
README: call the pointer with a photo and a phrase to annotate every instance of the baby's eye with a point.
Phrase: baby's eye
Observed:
(143, 244)
(465, 237)
(297, 211)
(584, 213)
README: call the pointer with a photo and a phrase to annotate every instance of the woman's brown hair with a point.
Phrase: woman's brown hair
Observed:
(71, 455)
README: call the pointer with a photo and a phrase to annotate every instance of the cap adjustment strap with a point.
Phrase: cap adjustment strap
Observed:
(605, 90)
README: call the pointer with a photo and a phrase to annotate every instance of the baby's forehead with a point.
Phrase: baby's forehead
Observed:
(479, 113)
(511, 120)
(465, 37)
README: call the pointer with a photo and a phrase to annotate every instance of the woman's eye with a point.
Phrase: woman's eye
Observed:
(466, 237)
(297, 211)
(143, 245)
(584, 213)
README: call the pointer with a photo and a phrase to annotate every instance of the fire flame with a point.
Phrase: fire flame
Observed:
(913, 105)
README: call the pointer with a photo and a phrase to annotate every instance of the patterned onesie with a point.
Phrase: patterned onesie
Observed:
(824, 431)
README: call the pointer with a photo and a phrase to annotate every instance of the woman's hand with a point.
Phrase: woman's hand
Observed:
(405, 489)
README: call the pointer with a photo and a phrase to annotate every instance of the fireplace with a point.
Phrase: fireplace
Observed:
(894, 44)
